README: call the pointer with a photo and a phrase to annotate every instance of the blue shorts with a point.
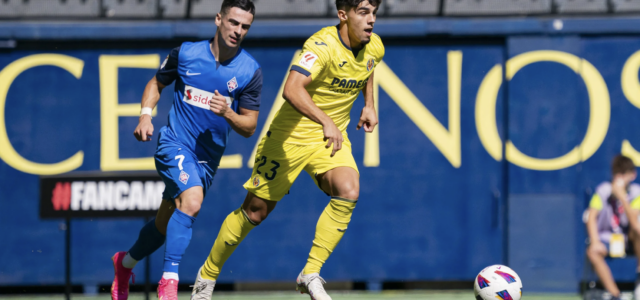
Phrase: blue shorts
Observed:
(179, 167)
(628, 249)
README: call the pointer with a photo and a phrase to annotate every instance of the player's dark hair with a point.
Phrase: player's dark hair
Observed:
(350, 4)
(245, 5)
(622, 164)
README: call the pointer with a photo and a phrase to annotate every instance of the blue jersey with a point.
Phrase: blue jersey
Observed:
(198, 75)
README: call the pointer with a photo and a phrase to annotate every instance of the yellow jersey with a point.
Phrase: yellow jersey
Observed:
(337, 79)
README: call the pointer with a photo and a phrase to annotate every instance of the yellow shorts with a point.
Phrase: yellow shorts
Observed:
(278, 164)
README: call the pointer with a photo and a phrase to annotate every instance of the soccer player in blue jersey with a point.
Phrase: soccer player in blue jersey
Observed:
(217, 88)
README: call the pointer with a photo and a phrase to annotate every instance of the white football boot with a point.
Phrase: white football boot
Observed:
(312, 284)
(203, 288)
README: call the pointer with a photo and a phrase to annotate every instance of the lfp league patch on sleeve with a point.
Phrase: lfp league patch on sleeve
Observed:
(307, 60)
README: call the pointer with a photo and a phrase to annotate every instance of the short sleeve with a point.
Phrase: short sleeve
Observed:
(168, 71)
(252, 93)
(313, 58)
(596, 202)
(380, 53)
(635, 203)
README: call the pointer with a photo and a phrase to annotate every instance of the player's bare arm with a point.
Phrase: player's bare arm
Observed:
(592, 230)
(243, 123)
(368, 116)
(150, 98)
(296, 94)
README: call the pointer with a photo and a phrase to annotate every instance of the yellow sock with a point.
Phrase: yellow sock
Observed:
(234, 229)
(329, 231)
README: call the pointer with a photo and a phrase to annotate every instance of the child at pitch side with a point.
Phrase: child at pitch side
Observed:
(612, 222)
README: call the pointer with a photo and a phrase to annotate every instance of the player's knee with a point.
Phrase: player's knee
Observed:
(349, 191)
(257, 211)
(257, 217)
(191, 205)
(595, 254)
(256, 208)
(351, 194)
(190, 201)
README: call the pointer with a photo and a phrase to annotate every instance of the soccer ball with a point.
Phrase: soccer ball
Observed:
(497, 282)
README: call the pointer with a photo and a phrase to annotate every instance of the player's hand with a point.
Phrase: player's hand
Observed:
(218, 104)
(333, 135)
(619, 188)
(144, 130)
(368, 119)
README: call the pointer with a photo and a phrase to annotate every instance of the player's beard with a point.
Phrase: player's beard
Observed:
(365, 40)
(361, 35)
(237, 45)
(227, 43)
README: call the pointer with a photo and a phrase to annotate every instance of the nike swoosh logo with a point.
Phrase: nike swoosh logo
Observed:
(174, 264)
(342, 230)
(192, 74)
(321, 44)
(199, 289)
(342, 64)
(229, 244)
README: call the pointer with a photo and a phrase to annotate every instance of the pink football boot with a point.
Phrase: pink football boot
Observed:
(120, 285)
(168, 289)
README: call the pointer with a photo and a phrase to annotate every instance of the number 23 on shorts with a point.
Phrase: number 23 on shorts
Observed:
(274, 172)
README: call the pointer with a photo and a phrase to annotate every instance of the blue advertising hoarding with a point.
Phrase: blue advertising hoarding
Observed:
(433, 202)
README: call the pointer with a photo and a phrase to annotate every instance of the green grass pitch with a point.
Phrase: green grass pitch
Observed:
(385, 295)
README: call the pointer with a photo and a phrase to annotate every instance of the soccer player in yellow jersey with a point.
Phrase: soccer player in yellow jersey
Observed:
(309, 133)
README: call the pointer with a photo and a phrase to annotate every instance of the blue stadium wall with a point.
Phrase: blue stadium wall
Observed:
(489, 144)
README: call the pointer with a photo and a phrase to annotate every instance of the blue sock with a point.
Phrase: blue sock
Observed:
(178, 238)
(149, 240)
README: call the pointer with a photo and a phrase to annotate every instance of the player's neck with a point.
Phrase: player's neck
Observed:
(220, 51)
(343, 31)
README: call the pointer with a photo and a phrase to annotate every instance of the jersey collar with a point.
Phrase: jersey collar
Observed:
(355, 54)
(340, 37)
(226, 62)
